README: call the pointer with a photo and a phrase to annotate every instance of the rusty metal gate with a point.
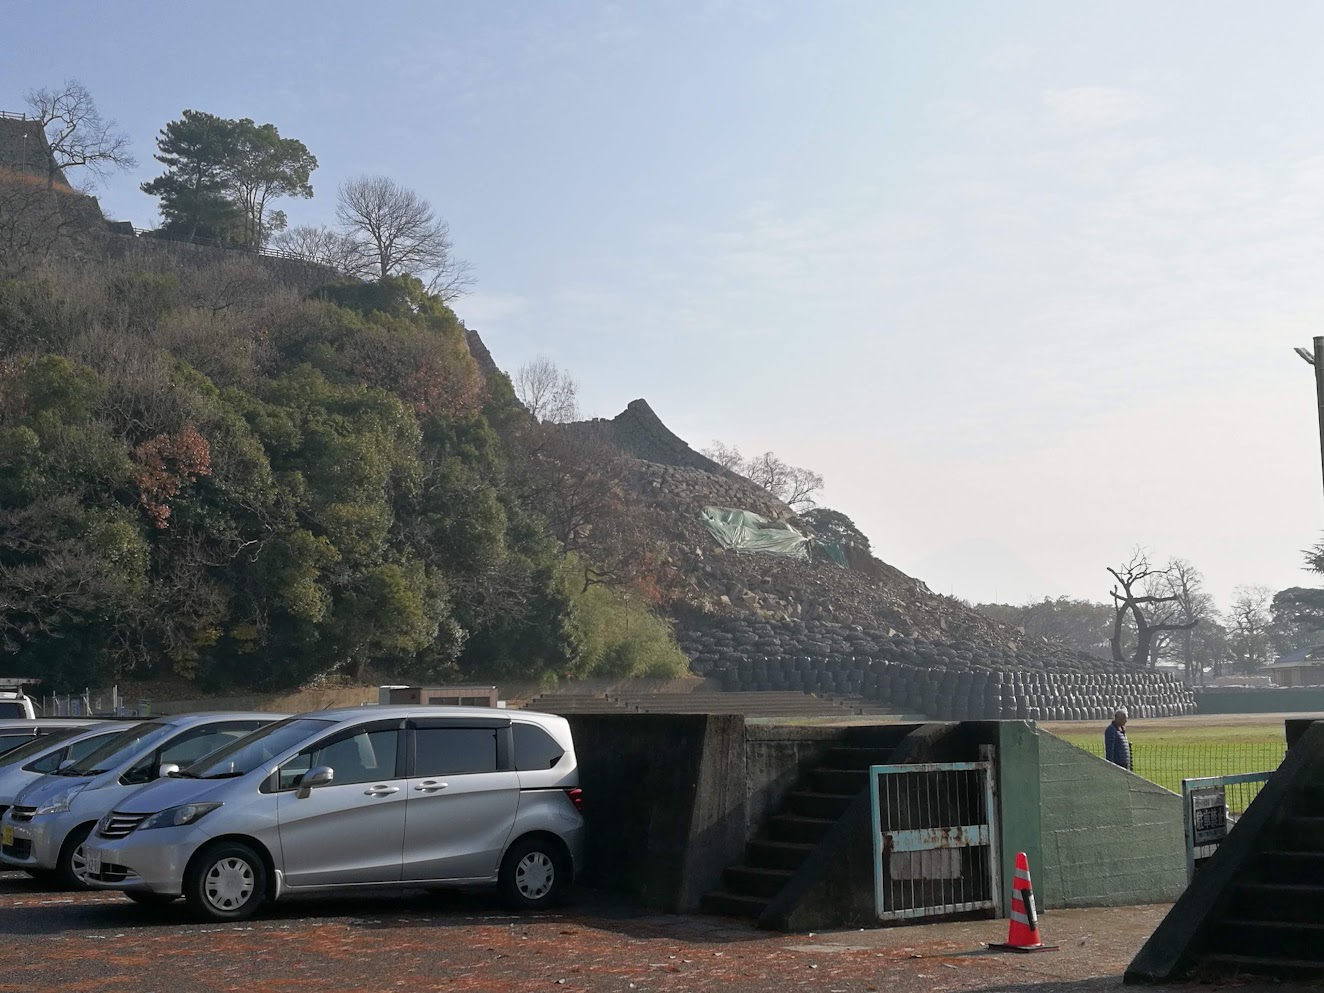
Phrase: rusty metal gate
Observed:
(935, 849)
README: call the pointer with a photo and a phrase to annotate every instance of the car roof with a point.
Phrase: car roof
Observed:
(208, 717)
(391, 711)
(25, 723)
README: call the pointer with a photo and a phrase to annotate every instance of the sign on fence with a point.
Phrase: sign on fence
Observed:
(1208, 815)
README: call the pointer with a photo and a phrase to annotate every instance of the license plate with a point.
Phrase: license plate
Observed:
(7, 836)
(92, 859)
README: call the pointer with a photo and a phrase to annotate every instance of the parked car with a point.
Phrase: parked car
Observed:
(41, 756)
(14, 733)
(16, 703)
(44, 830)
(338, 799)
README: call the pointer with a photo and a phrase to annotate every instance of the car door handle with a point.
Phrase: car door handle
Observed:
(430, 786)
(381, 791)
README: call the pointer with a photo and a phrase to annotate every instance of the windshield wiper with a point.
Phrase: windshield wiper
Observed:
(224, 775)
(181, 774)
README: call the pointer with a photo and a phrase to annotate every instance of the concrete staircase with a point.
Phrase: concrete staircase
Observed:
(1256, 906)
(790, 835)
(1274, 922)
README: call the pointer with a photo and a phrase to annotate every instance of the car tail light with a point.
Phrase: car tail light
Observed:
(576, 796)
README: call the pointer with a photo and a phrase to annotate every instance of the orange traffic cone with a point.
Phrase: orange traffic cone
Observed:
(1023, 930)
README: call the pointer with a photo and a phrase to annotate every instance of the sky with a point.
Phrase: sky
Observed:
(1021, 280)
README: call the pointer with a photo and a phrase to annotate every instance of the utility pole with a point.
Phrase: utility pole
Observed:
(1317, 360)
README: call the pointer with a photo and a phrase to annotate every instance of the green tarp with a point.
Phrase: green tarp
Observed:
(746, 531)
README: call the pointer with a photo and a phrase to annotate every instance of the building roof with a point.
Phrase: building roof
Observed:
(1303, 656)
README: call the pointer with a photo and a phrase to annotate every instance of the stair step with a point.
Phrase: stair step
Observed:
(1304, 833)
(1281, 866)
(777, 854)
(791, 827)
(752, 881)
(1266, 965)
(814, 804)
(1294, 940)
(1282, 902)
(847, 757)
(840, 781)
(733, 904)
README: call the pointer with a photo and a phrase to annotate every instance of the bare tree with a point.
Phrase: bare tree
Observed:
(547, 391)
(727, 456)
(790, 484)
(31, 223)
(1193, 604)
(1249, 623)
(402, 234)
(78, 135)
(328, 247)
(1142, 594)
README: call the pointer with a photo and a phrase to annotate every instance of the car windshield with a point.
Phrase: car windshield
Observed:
(133, 738)
(256, 749)
(38, 745)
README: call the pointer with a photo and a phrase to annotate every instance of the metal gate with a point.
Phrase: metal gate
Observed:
(935, 849)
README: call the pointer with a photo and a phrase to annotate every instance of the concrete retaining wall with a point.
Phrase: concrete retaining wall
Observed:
(1108, 837)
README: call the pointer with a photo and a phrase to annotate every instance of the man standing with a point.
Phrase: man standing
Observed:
(1116, 749)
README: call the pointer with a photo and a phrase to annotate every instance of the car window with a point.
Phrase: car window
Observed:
(35, 746)
(108, 755)
(361, 757)
(11, 740)
(535, 748)
(257, 748)
(186, 748)
(12, 708)
(70, 753)
(441, 751)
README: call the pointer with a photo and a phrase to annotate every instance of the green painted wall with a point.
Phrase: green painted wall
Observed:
(1018, 788)
(1109, 838)
(1260, 701)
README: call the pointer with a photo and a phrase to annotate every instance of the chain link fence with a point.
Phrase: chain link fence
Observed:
(1168, 764)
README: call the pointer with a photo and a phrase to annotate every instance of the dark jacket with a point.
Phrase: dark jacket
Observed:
(1116, 749)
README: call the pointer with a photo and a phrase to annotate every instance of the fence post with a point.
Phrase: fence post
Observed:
(1188, 829)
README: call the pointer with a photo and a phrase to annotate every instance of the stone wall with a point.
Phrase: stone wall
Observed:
(297, 274)
(946, 680)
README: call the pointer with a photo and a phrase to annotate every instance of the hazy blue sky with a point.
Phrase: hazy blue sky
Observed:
(1021, 280)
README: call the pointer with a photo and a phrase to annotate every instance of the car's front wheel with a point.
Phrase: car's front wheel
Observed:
(534, 874)
(226, 882)
(71, 864)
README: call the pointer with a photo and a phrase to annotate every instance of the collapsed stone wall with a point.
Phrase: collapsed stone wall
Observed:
(767, 623)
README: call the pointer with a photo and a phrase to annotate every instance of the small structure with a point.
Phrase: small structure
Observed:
(439, 696)
(1304, 667)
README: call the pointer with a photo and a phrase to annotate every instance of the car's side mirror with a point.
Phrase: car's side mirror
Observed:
(323, 775)
(167, 769)
(64, 765)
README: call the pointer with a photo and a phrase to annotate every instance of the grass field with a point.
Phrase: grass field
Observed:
(1166, 752)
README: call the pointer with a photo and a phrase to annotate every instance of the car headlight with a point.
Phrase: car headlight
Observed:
(59, 803)
(179, 816)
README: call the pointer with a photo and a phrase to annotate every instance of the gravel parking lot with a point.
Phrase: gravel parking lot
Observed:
(99, 942)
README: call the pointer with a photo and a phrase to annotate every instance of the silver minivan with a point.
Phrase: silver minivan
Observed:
(43, 832)
(365, 797)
